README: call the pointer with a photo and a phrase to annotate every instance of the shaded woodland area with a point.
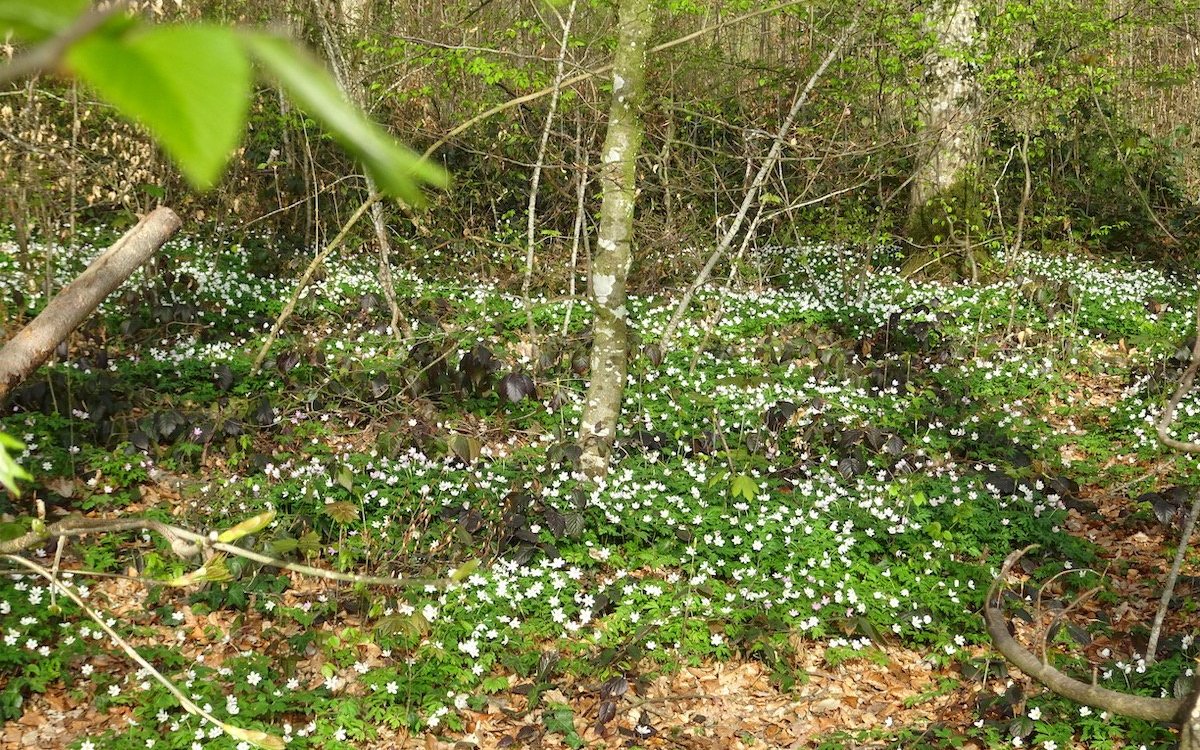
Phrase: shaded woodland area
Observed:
(599, 374)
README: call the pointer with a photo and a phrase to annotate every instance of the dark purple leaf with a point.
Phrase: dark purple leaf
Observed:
(778, 416)
(614, 687)
(223, 377)
(516, 386)
(608, 711)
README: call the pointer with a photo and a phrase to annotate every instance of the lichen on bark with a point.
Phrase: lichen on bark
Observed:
(610, 268)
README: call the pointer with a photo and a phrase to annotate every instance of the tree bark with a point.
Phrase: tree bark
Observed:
(34, 343)
(950, 104)
(614, 255)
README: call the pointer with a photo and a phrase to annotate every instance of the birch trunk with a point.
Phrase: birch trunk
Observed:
(950, 105)
(614, 255)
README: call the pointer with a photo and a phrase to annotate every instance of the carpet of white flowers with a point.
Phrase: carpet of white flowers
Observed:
(828, 456)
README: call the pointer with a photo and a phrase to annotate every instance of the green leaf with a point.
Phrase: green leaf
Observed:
(12, 530)
(397, 170)
(215, 570)
(32, 20)
(345, 478)
(284, 545)
(250, 526)
(463, 571)
(10, 470)
(743, 486)
(467, 448)
(189, 85)
(310, 543)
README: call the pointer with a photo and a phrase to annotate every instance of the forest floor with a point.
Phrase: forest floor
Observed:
(815, 487)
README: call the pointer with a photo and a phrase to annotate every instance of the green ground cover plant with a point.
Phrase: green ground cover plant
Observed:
(829, 466)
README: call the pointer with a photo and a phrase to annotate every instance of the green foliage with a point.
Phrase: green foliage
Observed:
(35, 21)
(396, 170)
(189, 85)
(10, 470)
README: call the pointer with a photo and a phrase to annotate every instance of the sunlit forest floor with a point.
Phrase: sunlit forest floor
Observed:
(815, 485)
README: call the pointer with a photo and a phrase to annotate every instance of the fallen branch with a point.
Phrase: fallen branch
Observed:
(1139, 707)
(71, 306)
(189, 544)
(254, 737)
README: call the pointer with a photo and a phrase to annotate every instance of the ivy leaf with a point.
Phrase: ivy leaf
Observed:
(189, 85)
(397, 170)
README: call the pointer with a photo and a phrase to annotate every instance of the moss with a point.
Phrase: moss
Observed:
(944, 233)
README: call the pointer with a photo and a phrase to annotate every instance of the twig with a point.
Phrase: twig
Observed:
(337, 63)
(582, 153)
(254, 737)
(536, 178)
(760, 179)
(517, 101)
(1164, 424)
(188, 544)
(320, 257)
(1169, 587)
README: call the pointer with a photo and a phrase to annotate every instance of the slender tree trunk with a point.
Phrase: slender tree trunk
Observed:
(535, 180)
(353, 17)
(951, 101)
(614, 254)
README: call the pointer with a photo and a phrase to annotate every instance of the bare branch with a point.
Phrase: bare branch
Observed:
(572, 80)
(252, 736)
(1185, 385)
(760, 179)
(188, 544)
(1139, 707)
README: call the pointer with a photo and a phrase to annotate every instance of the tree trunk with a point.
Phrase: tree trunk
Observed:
(29, 348)
(353, 16)
(951, 101)
(614, 255)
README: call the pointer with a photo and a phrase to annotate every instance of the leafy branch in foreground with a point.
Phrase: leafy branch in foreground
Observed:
(190, 85)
